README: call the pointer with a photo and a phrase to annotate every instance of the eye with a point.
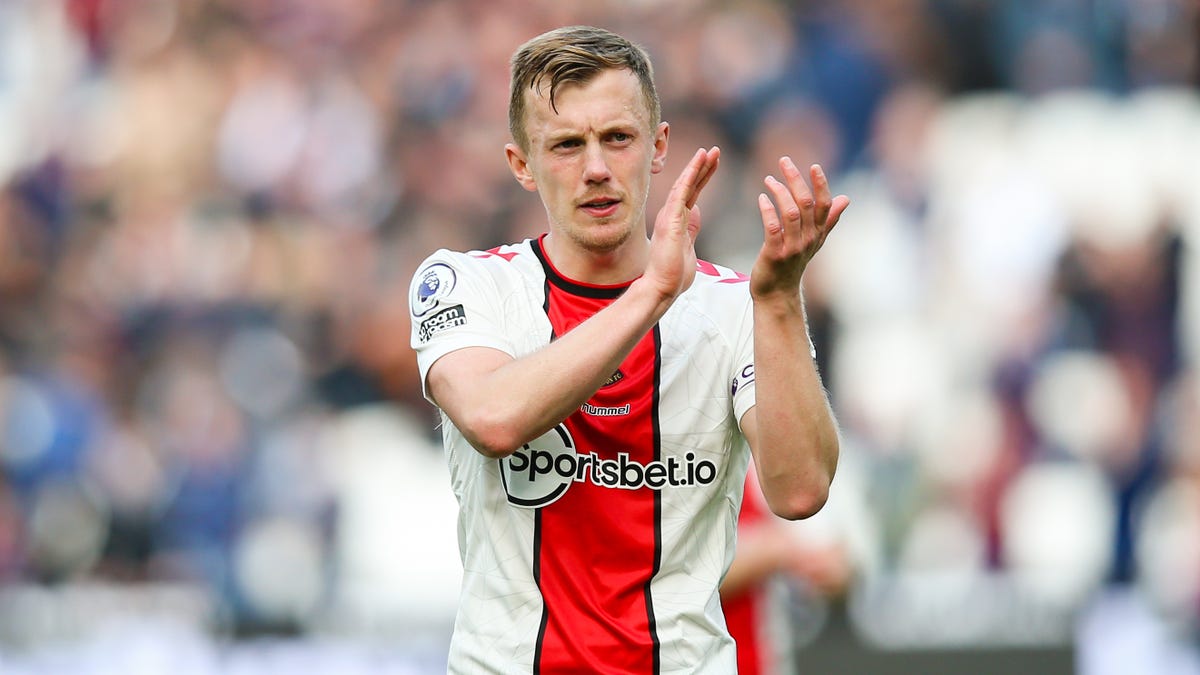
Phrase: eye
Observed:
(568, 144)
(620, 137)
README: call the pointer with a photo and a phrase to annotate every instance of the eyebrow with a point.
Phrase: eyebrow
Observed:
(630, 128)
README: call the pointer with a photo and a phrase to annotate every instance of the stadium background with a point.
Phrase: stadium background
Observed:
(214, 455)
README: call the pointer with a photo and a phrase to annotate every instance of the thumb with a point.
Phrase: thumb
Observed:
(693, 225)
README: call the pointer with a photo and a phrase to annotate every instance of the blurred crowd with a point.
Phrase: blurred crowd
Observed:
(210, 211)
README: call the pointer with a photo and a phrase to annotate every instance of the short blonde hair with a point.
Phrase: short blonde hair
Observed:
(574, 54)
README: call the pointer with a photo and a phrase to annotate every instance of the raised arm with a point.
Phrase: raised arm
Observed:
(499, 402)
(791, 428)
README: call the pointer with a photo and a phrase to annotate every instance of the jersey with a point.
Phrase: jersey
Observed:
(746, 613)
(598, 547)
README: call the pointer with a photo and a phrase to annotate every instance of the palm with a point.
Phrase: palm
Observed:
(795, 226)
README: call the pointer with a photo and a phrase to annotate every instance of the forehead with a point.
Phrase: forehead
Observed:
(610, 98)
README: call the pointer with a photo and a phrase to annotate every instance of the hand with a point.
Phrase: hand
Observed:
(793, 232)
(774, 547)
(672, 263)
(823, 566)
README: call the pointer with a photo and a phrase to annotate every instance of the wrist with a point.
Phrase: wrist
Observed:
(647, 296)
(785, 302)
(776, 287)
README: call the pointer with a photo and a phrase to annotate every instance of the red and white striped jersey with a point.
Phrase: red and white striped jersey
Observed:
(598, 547)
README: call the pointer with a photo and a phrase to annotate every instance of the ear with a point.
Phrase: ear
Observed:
(518, 163)
(659, 161)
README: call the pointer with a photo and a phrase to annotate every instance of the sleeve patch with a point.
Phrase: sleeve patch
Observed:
(743, 378)
(429, 286)
(444, 320)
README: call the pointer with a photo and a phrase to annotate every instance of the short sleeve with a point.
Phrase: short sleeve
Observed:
(454, 303)
(742, 377)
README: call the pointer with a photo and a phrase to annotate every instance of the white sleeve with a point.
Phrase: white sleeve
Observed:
(454, 303)
(743, 361)
(742, 377)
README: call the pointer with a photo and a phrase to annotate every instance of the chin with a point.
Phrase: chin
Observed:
(602, 238)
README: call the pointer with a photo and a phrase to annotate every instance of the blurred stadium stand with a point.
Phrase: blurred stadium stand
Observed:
(214, 454)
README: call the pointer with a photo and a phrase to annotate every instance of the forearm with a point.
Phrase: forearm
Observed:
(500, 408)
(797, 440)
(761, 552)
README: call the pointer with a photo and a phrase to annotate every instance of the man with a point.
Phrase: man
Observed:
(600, 389)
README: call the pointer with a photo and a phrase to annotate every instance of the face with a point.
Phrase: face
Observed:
(591, 160)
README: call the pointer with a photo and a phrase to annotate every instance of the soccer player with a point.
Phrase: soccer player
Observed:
(602, 391)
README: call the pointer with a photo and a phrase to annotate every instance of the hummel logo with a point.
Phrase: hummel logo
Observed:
(605, 411)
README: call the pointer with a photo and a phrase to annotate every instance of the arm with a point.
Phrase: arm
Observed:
(762, 551)
(499, 402)
(768, 546)
(771, 548)
(791, 429)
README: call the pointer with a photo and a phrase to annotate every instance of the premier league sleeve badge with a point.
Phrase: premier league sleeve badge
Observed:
(430, 285)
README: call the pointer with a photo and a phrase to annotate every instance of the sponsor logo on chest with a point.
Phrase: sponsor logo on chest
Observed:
(541, 472)
(605, 411)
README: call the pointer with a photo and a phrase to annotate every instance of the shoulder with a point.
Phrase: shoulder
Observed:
(476, 260)
(720, 285)
(444, 270)
(718, 300)
(502, 253)
(714, 273)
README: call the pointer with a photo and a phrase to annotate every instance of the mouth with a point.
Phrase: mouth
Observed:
(601, 207)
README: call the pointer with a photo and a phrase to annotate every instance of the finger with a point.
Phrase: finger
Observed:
(694, 221)
(821, 200)
(687, 178)
(772, 227)
(712, 158)
(789, 214)
(677, 198)
(837, 208)
(799, 188)
(682, 193)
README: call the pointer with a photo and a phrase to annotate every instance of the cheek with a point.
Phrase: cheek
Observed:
(646, 169)
(559, 172)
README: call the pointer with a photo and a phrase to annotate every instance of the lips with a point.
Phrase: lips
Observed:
(601, 206)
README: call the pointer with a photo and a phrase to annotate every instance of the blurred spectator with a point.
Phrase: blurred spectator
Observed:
(775, 558)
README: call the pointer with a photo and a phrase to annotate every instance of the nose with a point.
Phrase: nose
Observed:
(595, 169)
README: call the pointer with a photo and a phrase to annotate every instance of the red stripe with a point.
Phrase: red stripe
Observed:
(597, 549)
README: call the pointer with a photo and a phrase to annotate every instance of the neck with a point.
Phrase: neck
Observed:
(619, 265)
